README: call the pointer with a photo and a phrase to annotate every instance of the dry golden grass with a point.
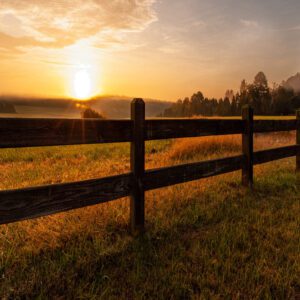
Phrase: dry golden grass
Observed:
(274, 140)
(185, 149)
(188, 149)
(205, 239)
(59, 167)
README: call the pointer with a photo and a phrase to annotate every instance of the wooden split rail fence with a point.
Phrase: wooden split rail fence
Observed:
(26, 203)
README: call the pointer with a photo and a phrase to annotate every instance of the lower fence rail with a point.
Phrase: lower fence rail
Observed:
(184, 173)
(28, 203)
(268, 155)
(22, 204)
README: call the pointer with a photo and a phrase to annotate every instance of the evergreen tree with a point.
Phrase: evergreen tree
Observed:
(265, 101)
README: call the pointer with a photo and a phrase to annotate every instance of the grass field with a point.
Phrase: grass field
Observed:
(205, 239)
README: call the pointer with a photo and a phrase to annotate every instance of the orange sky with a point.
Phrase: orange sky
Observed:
(156, 49)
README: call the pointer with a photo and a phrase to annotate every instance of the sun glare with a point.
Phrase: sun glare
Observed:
(82, 87)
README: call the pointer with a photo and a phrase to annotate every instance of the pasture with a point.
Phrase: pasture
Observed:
(205, 239)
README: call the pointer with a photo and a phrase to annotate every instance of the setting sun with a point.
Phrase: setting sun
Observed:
(82, 87)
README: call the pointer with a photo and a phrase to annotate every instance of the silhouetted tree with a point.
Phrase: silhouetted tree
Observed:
(281, 99)
(89, 113)
(261, 80)
(229, 94)
(196, 104)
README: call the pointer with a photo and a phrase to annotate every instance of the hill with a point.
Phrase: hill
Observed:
(114, 107)
(7, 108)
(119, 107)
(293, 83)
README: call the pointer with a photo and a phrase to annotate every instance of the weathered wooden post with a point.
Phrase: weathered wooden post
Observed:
(247, 146)
(137, 161)
(298, 144)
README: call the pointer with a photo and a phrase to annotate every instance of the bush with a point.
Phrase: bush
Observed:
(89, 113)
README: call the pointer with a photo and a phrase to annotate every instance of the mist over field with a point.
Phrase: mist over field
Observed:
(112, 107)
(281, 99)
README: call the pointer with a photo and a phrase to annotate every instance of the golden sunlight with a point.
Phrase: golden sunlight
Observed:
(82, 71)
(82, 87)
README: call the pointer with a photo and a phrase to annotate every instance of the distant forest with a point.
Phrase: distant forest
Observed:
(281, 99)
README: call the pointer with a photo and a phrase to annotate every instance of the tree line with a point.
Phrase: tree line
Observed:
(278, 100)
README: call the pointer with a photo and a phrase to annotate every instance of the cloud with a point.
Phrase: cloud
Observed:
(249, 23)
(171, 45)
(295, 28)
(61, 23)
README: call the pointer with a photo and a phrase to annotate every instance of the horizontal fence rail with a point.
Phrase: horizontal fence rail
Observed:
(181, 128)
(23, 132)
(183, 173)
(21, 204)
(55, 132)
(26, 203)
(260, 126)
(265, 156)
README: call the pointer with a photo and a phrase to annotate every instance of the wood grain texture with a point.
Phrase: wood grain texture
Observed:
(178, 128)
(20, 132)
(247, 146)
(16, 205)
(264, 156)
(260, 126)
(183, 173)
(137, 164)
(50, 132)
(298, 144)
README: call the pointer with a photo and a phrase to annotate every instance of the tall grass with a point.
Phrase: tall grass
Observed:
(204, 239)
(185, 149)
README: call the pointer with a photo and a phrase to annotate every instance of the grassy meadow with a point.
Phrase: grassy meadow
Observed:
(208, 239)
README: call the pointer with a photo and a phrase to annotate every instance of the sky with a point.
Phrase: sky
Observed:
(162, 49)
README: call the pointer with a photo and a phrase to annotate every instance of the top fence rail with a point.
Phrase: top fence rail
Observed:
(27, 132)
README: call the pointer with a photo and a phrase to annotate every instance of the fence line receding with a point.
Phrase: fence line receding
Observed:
(26, 203)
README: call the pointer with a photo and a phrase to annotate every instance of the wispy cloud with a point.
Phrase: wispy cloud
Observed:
(171, 45)
(295, 28)
(249, 23)
(61, 23)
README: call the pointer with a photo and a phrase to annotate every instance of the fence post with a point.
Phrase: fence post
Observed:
(247, 146)
(137, 163)
(298, 144)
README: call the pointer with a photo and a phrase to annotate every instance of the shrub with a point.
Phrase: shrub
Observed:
(90, 113)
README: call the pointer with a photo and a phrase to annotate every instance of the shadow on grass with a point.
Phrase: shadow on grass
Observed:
(223, 242)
